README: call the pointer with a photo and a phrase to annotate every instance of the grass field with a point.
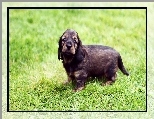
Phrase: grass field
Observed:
(36, 74)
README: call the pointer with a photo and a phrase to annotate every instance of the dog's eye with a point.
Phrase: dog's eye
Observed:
(64, 39)
(75, 40)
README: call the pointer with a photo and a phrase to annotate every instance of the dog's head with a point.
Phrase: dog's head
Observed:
(69, 43)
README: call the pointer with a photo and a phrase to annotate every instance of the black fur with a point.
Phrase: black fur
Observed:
(84, 61)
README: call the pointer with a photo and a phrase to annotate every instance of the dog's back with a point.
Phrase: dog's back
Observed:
(103, 59)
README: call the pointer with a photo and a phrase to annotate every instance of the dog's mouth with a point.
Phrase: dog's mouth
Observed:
(68, 53)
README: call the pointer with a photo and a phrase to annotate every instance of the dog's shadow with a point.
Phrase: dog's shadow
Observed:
(64, 87)
(99, 80)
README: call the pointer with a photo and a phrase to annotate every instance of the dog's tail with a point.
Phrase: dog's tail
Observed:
(121, 66)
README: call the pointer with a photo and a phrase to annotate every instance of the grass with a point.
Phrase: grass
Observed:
(36, 74)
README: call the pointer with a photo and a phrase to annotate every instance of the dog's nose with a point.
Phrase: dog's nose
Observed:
(68, 45)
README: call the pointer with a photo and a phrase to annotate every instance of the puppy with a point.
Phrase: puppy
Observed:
(84, 61)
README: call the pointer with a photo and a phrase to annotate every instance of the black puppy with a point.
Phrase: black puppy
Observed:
(83, 61)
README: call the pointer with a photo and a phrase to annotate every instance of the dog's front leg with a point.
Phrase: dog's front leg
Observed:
(80, 80)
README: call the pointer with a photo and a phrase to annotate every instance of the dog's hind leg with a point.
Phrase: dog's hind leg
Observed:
(110, 76)
(110, 80)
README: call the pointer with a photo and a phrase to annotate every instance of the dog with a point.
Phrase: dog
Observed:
(84, 61)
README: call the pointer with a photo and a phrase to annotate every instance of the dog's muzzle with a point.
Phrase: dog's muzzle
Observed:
(68, 45)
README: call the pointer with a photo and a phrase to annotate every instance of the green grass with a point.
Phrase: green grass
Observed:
(36, 74)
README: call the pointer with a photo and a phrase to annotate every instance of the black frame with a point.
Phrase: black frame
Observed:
(8, 8)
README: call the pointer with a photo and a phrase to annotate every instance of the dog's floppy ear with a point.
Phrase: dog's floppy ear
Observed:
(59, 49)
(80, 54)
(79, 41)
